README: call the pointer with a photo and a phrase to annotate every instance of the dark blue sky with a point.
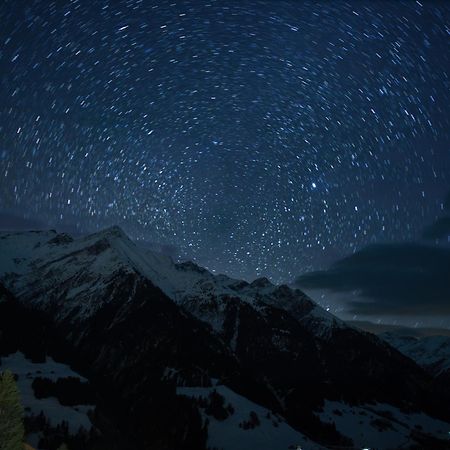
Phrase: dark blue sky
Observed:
(258, 137)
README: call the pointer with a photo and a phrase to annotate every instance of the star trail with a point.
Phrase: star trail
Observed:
(257, 137)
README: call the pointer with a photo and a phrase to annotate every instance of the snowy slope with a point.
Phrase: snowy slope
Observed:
(381, 426)
(17, 250)
(27, 371)
(272, 432)
(47, 268)
(430, 352)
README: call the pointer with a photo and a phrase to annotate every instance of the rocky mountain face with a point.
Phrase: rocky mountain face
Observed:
(140, 327)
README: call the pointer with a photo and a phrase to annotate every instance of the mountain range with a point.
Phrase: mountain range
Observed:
(181, 358)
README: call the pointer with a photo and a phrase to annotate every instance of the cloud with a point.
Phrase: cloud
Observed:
(392, 279)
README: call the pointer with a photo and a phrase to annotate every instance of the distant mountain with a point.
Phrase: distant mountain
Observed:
(167, 346)
(428, 347)
(379, 328)
(430, 352)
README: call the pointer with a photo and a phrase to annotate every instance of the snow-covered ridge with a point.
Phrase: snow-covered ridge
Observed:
(23, 252)
(16, 249)
(86, 264)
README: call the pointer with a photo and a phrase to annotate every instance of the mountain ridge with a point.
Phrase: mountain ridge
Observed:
(131, 315)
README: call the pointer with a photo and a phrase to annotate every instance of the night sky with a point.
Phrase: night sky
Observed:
(256, 137)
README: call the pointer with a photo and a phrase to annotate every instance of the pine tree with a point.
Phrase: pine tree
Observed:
(11, 414)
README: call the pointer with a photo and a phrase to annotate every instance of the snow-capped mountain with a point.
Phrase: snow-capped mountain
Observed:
(430, 352)
(40, 258)
(142, 326)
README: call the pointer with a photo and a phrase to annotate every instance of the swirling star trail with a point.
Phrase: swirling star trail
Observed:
(258, 137)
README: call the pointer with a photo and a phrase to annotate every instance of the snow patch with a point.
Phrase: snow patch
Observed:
(380, 426)
(272, 433)
(27, 371)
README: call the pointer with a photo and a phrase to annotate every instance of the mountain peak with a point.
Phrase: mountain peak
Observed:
(107, 237)
(261, 282)
(62, 238)
(114, 231)
(190, 265)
